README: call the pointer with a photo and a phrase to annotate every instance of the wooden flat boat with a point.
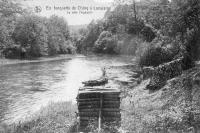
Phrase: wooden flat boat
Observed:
(99, 105)
(98, 82)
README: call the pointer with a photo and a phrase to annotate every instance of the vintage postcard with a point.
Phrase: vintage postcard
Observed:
(99, 66)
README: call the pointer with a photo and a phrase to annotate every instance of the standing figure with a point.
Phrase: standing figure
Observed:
(103, 69)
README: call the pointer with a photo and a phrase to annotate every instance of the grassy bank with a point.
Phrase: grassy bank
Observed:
(36, 60)
(175, 108)
(55, 118)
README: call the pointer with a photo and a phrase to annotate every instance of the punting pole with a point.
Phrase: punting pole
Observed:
(77, 116)
(100, 113)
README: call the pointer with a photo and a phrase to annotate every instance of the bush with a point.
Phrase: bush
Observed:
(67, 48)
(134, 27)
(155, 55)
(106, 43)
(14, 52)
(147, 34)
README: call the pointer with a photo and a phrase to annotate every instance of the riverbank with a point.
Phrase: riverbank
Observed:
(173, 108)
(55, 118)
(4, 61)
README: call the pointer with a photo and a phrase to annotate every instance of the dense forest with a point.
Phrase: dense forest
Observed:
(162, 35)
(156, 31)
(25, 35)
(147, 29)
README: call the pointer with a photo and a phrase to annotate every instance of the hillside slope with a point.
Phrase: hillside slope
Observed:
(128, 44)
(174, 108)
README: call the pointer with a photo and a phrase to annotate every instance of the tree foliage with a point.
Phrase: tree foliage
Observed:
(31, 34)
(178, 21)
(58, 34)
(25, 35)
(106, 43)
(93, 31)
(8, 13)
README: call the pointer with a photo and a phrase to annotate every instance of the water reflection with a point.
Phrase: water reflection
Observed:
(24, 88)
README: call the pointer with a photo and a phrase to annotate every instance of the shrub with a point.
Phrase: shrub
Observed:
(155, 55)
(106, 43)
(134, 27)
(15, 51)
(67, 48)
(147, 34)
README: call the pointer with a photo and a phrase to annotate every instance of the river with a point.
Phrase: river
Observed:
(26, 87)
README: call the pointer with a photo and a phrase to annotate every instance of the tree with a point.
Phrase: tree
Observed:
(106, 43)
(31, 34)
(58, 33)
(8, 13)
(94, 30)
(10, 8)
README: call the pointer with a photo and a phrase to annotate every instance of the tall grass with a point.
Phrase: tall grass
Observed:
(175, 108)
(155, 55)
(55, 118)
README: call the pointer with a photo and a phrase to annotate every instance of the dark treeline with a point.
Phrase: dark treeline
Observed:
(157, 31)
(25, 35)
(122, 27)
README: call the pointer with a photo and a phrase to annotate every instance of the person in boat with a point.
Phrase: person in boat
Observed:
(101, 81)
(103, 69)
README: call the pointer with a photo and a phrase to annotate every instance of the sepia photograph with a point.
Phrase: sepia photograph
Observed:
(99, 66)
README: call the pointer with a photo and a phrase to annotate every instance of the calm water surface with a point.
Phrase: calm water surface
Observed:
(24, 88)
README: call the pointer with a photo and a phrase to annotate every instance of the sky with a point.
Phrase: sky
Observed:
(76, 12)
